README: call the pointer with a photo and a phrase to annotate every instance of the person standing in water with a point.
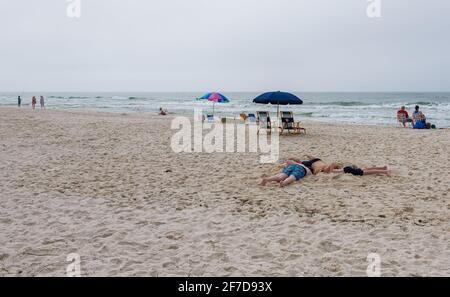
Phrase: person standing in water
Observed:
(19, 101)
(42, 101)
(33, 102)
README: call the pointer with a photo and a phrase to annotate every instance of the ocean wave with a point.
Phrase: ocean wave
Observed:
(426, 103)
(341, 103)
(358, 104)
(73, 97)
(305, 114)
(364, 108)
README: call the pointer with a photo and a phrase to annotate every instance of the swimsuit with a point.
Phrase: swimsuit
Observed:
(354, 170)
(297, 170)
(310, 163)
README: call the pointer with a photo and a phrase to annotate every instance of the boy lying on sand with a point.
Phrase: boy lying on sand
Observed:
(364, 171)
(292, 172)
(317, 165)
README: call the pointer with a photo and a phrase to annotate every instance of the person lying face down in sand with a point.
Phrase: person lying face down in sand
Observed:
(316, 165)
(292, 172)
(363, 171)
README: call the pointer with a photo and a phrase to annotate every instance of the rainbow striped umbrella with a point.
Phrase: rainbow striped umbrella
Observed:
(215, 98)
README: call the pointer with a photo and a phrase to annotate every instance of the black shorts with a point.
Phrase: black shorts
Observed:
(354, 170)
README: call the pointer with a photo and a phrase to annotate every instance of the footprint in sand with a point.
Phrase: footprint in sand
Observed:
(4, 257)
(174, 236)
(328, 246)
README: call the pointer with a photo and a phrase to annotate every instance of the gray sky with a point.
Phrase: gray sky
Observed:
(227, 45)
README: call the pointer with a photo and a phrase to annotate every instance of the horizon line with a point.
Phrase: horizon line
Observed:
(255, 91)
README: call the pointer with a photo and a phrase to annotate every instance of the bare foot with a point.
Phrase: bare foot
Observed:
(388, 172)
(282, 185)
(385, 167)
(263, 182)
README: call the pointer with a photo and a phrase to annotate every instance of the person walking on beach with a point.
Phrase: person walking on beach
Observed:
(33, 102)
(19, 101)
(42, 101)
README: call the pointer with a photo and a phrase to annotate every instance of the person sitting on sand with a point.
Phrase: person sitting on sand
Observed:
(403, 116)
(418, 119)
(316, 165)
(363, 171)
(292, 172)
(162, 111)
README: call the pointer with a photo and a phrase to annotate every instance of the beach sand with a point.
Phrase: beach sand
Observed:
(109, 187)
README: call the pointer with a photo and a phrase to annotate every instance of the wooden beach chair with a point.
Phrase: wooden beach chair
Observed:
(288, 124)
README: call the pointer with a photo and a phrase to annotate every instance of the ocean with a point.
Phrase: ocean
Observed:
(351, 107)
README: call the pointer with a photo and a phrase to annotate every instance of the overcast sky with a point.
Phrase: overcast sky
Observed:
(227, 45)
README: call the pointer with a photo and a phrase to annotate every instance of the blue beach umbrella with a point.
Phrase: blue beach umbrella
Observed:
(278, 98)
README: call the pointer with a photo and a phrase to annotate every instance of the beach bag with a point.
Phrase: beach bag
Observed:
(419, 125)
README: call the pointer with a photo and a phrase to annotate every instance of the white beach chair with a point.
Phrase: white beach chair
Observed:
(264, 121)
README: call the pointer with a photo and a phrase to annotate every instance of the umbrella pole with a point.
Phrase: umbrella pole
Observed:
(278, 115)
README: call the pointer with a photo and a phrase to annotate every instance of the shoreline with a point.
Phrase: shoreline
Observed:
(172, 115)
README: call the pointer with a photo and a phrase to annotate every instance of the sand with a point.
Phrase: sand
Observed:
(108, 187)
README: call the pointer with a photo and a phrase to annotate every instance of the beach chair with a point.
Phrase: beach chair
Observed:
(402, 120)
(264, 121)
(288, 123)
